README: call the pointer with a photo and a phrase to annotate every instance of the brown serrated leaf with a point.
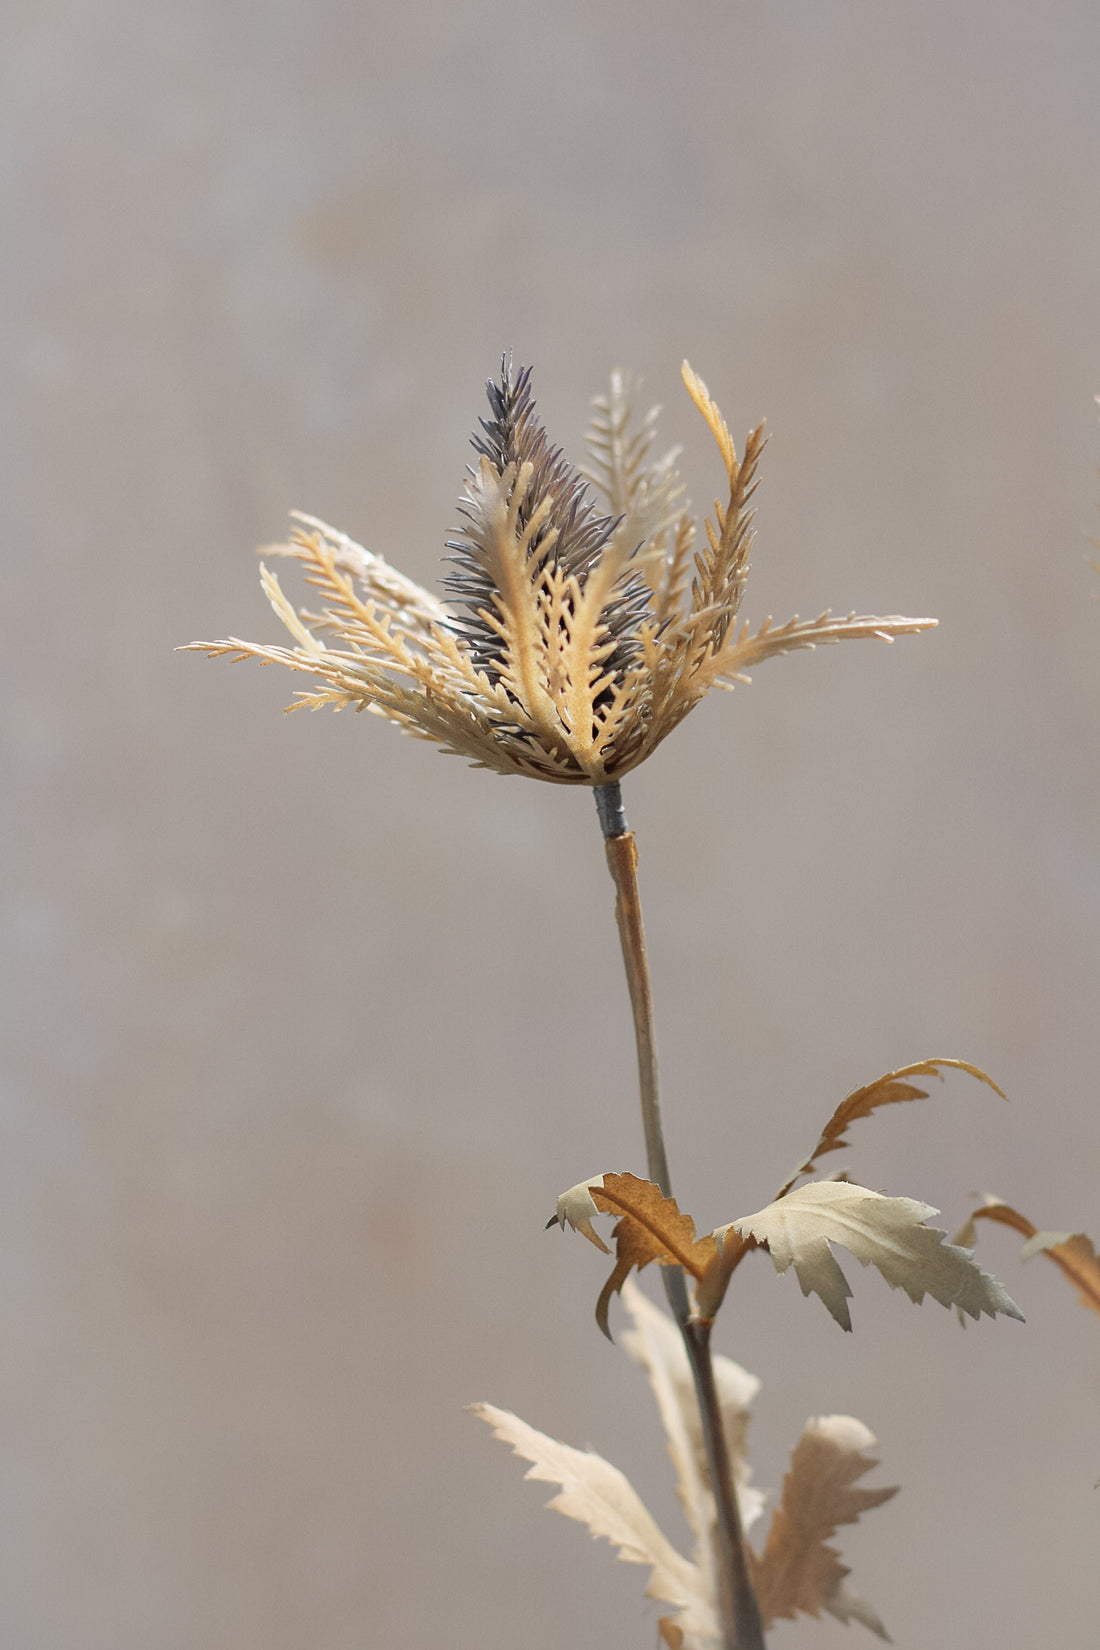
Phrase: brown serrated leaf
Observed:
(650, 1227)
(797, 1570)
(1072, 1252)
(889, 1090)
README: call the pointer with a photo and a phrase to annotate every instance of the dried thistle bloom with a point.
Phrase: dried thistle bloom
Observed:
(573, 642)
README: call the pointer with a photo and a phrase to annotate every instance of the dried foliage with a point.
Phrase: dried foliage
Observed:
(890, 1090)
(1072, 1252)
(885, 1232)
(797, 1230)
(574, 641)
(599, 1495)
(796, 1571)
(578, 630)
(650, 1227)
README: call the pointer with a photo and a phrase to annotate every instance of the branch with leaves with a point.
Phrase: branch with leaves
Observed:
(575, 634)
(795, 1571)
(799, 1230)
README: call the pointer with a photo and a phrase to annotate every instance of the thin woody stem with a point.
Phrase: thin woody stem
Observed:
(736, 1599)
(622, 858)
(737, 1607)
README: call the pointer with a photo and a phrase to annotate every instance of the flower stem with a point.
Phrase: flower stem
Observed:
(737, 1607)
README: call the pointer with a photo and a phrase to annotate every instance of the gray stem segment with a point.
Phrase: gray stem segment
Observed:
(740, 1616)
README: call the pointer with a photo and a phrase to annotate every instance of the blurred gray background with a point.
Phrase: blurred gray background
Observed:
(306, 1027)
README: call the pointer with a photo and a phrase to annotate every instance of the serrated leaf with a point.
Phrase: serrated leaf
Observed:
(892, 1089)
(818, 1495)
(651, 1227)
(798, 1571)
(1072, 1252)
(656, 1343)
(885, 1232)
(889, 1090)
(597, 1494)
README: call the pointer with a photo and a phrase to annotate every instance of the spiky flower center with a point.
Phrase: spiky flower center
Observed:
(560, 528)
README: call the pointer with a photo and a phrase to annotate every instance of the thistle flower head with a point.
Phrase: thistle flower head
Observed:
(572, 640)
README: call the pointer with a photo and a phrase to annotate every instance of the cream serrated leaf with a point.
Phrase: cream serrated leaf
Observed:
(597, 1494)
(885, 1232)
(576, 1209)
(798, 1571)
(892, 1089)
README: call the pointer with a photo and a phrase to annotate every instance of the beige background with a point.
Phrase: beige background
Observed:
(305, 1027)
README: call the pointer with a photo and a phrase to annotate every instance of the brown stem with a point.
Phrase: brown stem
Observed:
(736, 1599)
(737, 1607)
(622, 858)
